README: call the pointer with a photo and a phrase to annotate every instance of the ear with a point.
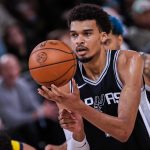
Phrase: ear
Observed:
(120, 40)
(104, 37)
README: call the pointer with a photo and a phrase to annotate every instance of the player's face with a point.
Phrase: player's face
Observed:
(86, 39)
(113, 42)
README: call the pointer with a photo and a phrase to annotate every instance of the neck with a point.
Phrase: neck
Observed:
(95, 67)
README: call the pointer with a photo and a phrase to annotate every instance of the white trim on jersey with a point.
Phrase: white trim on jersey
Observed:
(118, 81)
(145, 114)
(96, 82)
(70, 86)
(144, 120)
(147, 87)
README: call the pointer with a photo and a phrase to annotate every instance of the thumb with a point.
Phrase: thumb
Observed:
(75, 88)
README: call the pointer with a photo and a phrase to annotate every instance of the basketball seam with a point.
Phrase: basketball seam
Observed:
(53, 49)
(59, 76)
(51, 64)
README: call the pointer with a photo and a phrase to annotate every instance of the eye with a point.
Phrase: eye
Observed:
(87, 34)
(73, 35)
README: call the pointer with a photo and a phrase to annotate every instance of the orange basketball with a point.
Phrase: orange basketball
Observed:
(52, 62)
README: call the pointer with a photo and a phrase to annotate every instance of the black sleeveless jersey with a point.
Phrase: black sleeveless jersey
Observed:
(103, 95)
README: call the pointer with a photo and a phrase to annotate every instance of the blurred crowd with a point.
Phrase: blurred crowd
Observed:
(24, 115)
(25, 23)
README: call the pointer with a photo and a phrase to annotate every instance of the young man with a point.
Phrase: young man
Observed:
(106, 91)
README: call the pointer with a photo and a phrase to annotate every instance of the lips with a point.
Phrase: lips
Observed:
(81, 49)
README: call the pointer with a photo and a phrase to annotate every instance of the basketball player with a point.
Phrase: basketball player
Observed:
(106, 91)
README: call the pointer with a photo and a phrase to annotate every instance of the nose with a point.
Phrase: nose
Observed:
(80, 40)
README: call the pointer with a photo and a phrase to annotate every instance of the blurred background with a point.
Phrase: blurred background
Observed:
(24, 24)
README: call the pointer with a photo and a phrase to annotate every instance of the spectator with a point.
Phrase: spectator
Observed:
(20, 108)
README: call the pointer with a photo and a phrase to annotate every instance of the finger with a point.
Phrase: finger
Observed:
(60, 117)
(53, 95)
(68, 126)
(56, 90)
(64, 111)
(64, 114)
(45, 89)
(48, 94)
(42, 93)
(67, 121)
(75, 116)
(75, 88)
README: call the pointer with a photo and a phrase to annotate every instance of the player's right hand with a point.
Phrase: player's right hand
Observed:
(71, 121)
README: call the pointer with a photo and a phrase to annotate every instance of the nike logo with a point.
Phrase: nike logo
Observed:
(82, 145)
(79, 87)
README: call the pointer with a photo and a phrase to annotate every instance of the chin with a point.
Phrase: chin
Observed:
(85, 60)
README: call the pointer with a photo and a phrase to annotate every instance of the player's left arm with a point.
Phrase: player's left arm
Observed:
(130, 68)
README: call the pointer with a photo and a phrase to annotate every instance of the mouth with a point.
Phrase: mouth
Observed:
(81, 50)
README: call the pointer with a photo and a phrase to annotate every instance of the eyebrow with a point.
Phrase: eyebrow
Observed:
(86, 30)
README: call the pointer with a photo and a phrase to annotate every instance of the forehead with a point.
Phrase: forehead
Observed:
(83, 25)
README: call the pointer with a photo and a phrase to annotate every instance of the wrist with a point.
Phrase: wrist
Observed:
(80, 106)
(72, 144)
(78, 136)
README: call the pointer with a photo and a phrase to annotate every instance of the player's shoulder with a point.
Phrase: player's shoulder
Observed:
(127, 56)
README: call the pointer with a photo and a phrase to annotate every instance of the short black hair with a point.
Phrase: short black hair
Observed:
(90, 12)
(5, 141)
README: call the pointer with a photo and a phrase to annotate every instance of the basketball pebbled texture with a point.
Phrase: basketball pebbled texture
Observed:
(52, 62)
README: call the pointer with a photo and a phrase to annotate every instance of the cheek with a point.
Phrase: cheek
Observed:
(94, 43)
(72, 44)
